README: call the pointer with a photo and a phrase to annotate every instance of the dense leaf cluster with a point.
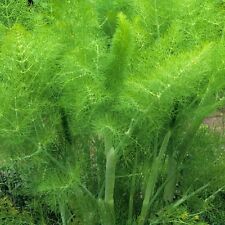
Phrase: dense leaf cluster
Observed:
(102, 104)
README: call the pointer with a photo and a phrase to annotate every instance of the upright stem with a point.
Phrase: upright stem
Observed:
(171, 180)
(132, 191)
(110, 176)
(152, 179)
(107, 206)
(62, 212)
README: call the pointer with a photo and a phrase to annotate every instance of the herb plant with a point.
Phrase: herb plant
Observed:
(102, 105)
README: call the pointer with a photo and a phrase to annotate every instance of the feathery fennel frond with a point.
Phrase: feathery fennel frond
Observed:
(100, 99)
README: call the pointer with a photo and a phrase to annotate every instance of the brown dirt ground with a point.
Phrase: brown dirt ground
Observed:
(216, 121)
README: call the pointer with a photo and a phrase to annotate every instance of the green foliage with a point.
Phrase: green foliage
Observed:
(178, 217)
(9, 215)
(206, 163)
(120, 54)
(12, 12)
(102, 104)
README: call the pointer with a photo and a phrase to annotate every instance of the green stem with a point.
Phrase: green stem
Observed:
(107, 206)
(110, 176)
(132, 191)
(155, 170)
(62, 212)
(171, 180)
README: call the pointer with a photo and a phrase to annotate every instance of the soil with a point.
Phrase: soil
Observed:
(216, 121)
